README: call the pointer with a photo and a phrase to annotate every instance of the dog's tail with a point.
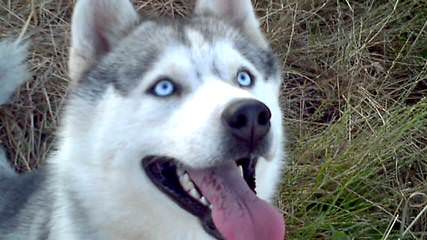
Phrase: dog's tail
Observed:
(13, 72)
(13, 67)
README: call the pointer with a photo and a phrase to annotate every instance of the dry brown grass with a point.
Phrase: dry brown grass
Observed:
(353, 95)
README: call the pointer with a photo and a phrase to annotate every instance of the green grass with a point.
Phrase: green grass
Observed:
(344, 184)
(356, 111)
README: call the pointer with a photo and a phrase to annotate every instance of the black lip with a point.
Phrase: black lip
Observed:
(248, 166)
(161, 170)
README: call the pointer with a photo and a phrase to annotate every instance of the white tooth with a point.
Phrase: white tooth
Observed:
(241, 170)
(186, 177)
(180, 172)
(210, 206)
(194, 193)
(186, 183)
(204, 201)
(181, 179)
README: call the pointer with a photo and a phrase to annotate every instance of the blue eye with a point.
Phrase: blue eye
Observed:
(163, 88)
(245, 79)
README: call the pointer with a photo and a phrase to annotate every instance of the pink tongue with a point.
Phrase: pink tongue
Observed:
(237, 212)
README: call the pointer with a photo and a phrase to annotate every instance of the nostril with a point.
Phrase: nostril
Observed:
(264, 118)
(240, 121)
(247, 119)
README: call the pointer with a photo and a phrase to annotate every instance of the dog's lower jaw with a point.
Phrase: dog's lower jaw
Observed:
(116, 211)
(109, 227)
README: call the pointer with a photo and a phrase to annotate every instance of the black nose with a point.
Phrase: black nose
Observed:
(247, 119)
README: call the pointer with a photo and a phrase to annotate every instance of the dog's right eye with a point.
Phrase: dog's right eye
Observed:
(245, 79)
(163, 88)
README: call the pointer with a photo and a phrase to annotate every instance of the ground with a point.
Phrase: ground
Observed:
(354, 101)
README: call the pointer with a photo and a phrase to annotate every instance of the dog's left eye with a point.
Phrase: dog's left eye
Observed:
(163, 88)
(245, 78)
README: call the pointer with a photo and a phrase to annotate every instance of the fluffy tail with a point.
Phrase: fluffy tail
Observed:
(13, 69)
(13, 72)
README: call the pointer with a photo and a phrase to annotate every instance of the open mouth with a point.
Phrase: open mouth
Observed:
(223, 198)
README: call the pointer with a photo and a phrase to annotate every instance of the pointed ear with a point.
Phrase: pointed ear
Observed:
(97, 27)
(239, 12)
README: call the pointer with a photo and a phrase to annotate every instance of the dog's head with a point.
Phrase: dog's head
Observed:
(165, 113)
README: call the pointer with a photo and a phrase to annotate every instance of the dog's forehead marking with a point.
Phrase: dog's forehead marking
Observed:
(198, 47)
(211, 56)
(213, 47)
(196, 38)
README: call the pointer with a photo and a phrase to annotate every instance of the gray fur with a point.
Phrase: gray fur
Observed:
(79, 214)
(24, 203)
(213, 28)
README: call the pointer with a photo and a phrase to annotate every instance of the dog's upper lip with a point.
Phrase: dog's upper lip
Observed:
(162, 172)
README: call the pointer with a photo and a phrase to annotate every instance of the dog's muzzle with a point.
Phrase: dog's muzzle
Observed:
(223, 196)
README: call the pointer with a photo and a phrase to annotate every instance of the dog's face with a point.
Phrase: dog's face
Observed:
(164, 113)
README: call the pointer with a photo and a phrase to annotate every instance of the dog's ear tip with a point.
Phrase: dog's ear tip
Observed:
(240, 13)
(97, 26)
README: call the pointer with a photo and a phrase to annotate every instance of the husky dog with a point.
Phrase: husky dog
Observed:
(172, 131)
